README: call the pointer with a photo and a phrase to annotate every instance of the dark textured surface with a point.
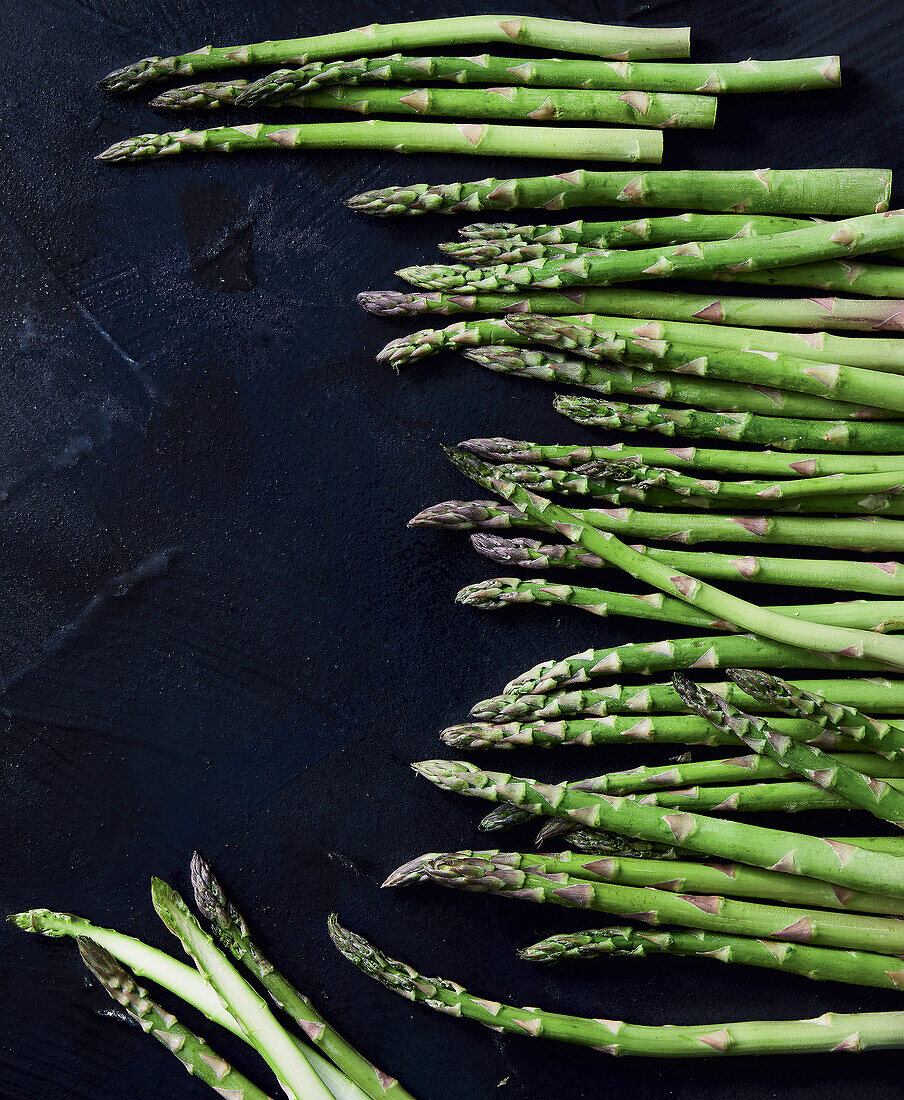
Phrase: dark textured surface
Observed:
(215, 630)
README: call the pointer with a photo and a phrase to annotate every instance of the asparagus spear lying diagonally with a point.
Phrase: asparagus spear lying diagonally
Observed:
(819, 963)
(551, 72)
(831, 1032)
(822, 193)
(471, 139)
(620, 43)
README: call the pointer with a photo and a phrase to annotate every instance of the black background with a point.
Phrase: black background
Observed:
(215, 629)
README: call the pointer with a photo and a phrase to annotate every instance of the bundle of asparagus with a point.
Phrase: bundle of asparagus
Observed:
(325, 72)
(315, 1063)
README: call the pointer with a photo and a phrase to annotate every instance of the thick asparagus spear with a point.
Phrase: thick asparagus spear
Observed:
(831, 1032)
(596, 39)
(884, 738)
(501, 592)
(548, 365)
(822, 193)
(853, 237)
(876, 280)
(879, 578)
(192, 1051)
(790, 797)
(770, 431)
(676, 876)
(552, 72)
(485, 875)
(232, 931)
(823, 964)
(472, 139)
(758, 463)
(257, 1023)
(797, 313)
(773, 849)
(617, 729)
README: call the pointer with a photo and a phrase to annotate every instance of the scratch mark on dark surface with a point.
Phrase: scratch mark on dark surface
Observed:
(135, 367)
(219, 228)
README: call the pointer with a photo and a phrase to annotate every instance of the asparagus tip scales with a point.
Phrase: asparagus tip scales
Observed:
(198, 96)
(385, 303)
(132, 77)
(273, 88)
(491, 595)
(619, 940)
(516, 450)
(415, 870)
(140, 147)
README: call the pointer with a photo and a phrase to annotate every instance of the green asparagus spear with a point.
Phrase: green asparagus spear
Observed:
(487, 875)
(670, 229)
(758, 463)
(548, 365)
(797, 313)
(821, 193)
(256, 1022)
(471, 139)
(192, 1051)
(553, 72)
(770, 431)
(791, 797)
(596, 39)
(824, 964)
(676, 876)
(831, 1032)
(232, 931)
(492, 595)
(773, 849)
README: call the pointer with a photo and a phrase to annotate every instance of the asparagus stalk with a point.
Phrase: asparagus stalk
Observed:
(876, 796)
(617, 729)
(482, 875)
(232, 931)
(192, 1051)
(493, 595)
(829, 1033)
(860, 532)
(822, 193)
(182, 980)
(799, 74)
(824, 964)
(884, 738)
(600, 842)
(618, 378)
(596, 39)
(256, 1022)
(798, 313)
(757, 463)
(772, 849)
(625, 233)
(769, 431)
(876, 280)
(884, 696)
(853, 237)
(471, 139)
(791, 797)
(675, 876)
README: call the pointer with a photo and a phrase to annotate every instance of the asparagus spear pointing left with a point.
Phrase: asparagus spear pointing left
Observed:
(829, 1033)
(233, 933)
(256, 1022)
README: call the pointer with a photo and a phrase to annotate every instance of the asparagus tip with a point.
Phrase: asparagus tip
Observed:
(415, 870)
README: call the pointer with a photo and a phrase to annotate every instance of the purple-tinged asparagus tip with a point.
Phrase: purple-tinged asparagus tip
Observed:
(415, 870)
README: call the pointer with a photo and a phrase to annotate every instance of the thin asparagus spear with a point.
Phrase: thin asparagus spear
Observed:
(621, 233)
(675, 876)
(823, 964)
(746, 918)
(853, 237)
(553, 72)
(876, 796)
(797, 313)
(619, 43)
(860, 532)
(208, 96)
(232, 931)
(758, 463)
(791, 797)
(773, 849)
(878, 578)
(883, 738)
(821, 193)
(580, 331)
(615, 729)
(180, 979)
(829, 1033)
(619, 378)
(769, 431)
(493, 595)
(192, 1051)
(600, 842)
(257, 1023)
(472, 139)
